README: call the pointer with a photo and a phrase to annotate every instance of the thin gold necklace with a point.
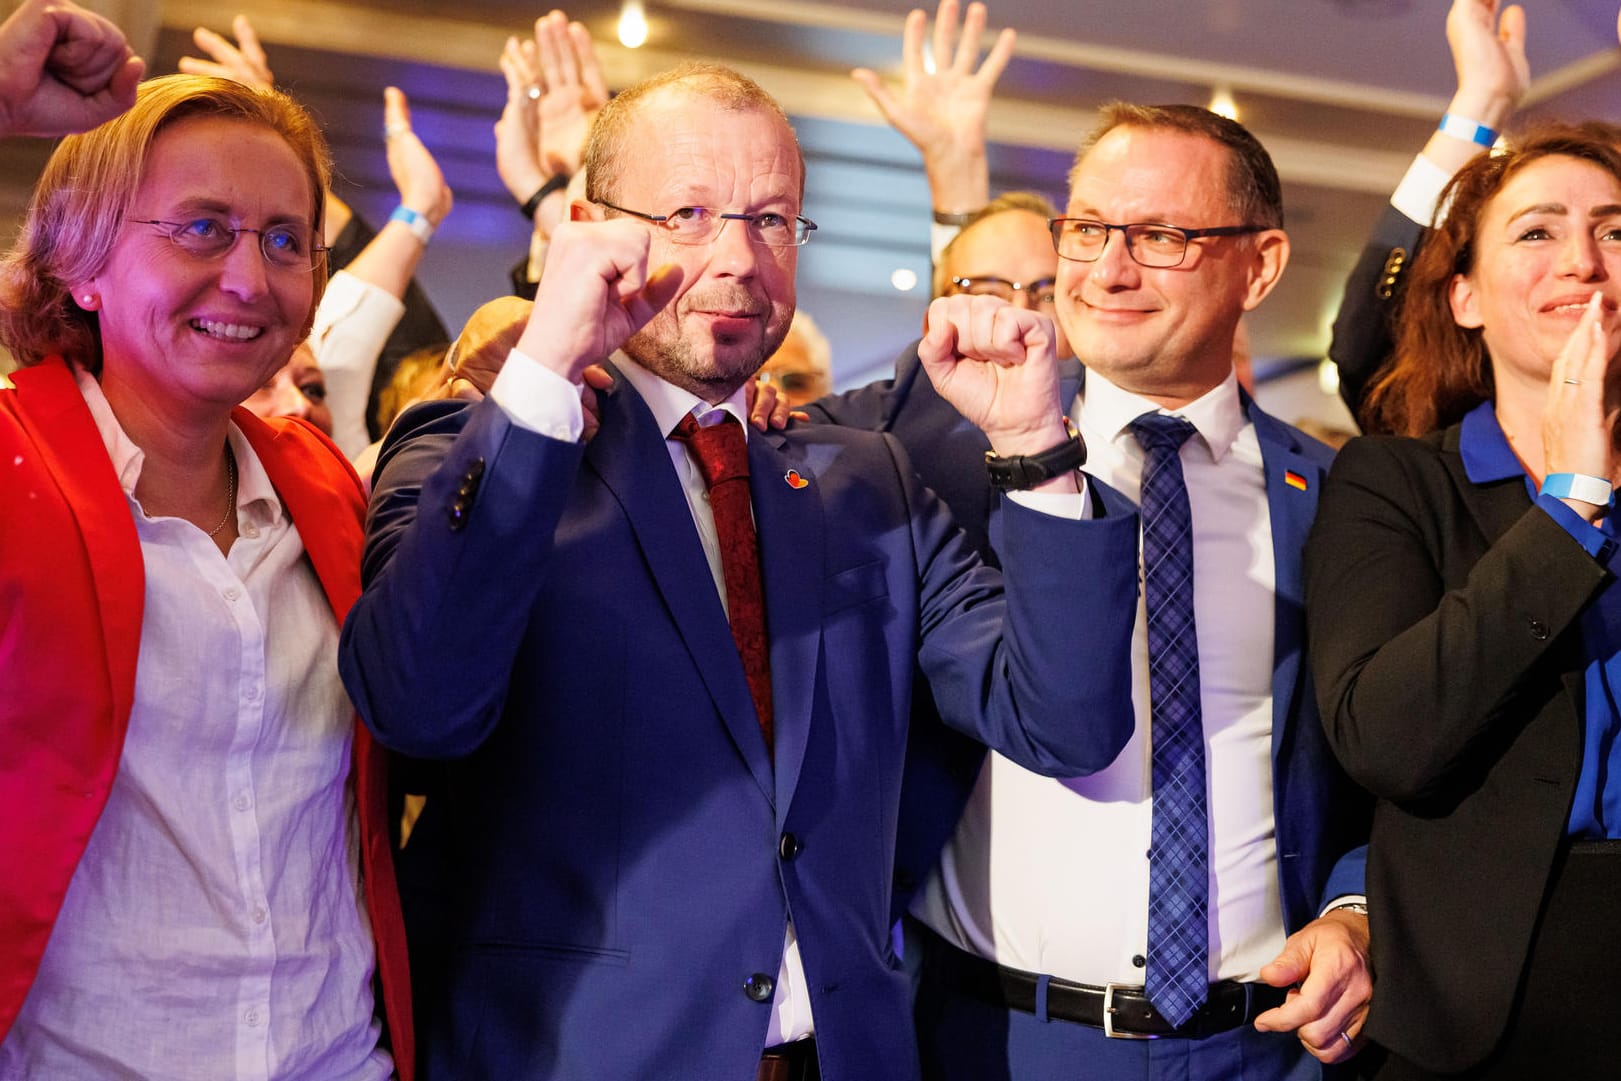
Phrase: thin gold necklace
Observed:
(230, 473)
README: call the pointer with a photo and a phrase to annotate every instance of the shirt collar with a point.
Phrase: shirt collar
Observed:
(669, 403)
(1486, 453)
(1217, 415)
(252, 482)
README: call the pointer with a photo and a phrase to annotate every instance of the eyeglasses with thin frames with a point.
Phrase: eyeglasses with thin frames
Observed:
(286, 247)
(1041, 294)
(701, 224)
(1149, 244)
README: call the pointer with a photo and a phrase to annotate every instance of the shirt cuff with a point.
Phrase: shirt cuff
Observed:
(538, 399)
(1419, 192)
(366, 314)
(1072, 505)
(1341, 901)
(1594, 541)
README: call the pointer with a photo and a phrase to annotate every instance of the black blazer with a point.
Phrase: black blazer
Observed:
(1364, 329)
(1443, 622)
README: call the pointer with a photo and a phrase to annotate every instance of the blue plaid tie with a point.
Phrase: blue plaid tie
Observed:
(1178, 876)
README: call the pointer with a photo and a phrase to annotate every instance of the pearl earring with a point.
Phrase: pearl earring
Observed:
(88, 298)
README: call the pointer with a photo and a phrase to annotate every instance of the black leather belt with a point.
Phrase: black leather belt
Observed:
(790, 1062)
(1120, 1010)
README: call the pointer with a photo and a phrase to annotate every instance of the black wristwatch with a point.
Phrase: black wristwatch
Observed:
(1021, 471)
(558, 182)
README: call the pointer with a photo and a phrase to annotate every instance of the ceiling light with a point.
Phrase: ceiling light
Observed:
(904, 279)
(1222, 103)
(633, 25)
(1328, 377)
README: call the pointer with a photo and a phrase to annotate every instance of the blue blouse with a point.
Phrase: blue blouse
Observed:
(1596, 809)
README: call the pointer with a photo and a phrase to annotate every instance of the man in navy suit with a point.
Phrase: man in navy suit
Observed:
(1035, 922)
(654, 871)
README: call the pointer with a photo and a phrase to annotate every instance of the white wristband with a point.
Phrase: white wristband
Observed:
(419, 224)
(1581, 487)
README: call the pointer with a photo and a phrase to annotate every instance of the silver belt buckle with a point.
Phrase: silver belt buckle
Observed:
(1108, 1014)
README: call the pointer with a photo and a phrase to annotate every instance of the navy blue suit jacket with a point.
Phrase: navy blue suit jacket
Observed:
(622, 854)
(1322, 819)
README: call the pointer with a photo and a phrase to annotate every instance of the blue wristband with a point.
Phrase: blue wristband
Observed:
(419, 224)
(1581, 487)
(1471, 131)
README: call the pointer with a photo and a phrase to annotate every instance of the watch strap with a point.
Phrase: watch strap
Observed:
(1018, 472)
(558, 182)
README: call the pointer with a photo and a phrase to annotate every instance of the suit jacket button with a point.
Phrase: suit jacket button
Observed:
(759, 987)
(1539, 630)
(788, 847)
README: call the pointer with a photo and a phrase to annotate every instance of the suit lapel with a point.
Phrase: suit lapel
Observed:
(65, 435)
(1293, 481)
(326, 512)
(629, 455)
(789, 520)
(1071, 382)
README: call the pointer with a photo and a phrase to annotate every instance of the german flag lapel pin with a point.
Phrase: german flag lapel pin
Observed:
(1294, 480)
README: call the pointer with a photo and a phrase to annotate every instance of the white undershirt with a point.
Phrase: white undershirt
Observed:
(1051, 876)
(213, 928)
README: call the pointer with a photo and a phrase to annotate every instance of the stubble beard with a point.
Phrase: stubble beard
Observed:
(664, 350)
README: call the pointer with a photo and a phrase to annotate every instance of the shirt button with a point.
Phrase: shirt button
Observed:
(251, 532)
(242, 803)
(1139, 960)
(759, 987)
(1539, 630)
(232, 593)
(252, 1017)
(259, 914)
(251, 692)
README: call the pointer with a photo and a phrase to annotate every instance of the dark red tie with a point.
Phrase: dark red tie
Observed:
(724, 463)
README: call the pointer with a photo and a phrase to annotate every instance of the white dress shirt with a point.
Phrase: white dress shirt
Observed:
(1051, 875)
(213, 928)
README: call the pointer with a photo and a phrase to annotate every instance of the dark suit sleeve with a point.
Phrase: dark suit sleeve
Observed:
(427, 651)
(1364, 329)
(868, 408)
(1422, 665)
(1349, 876)
(1045, 678)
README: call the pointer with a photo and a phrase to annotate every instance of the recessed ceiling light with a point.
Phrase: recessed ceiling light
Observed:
(1222, 103)
(904, 279)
